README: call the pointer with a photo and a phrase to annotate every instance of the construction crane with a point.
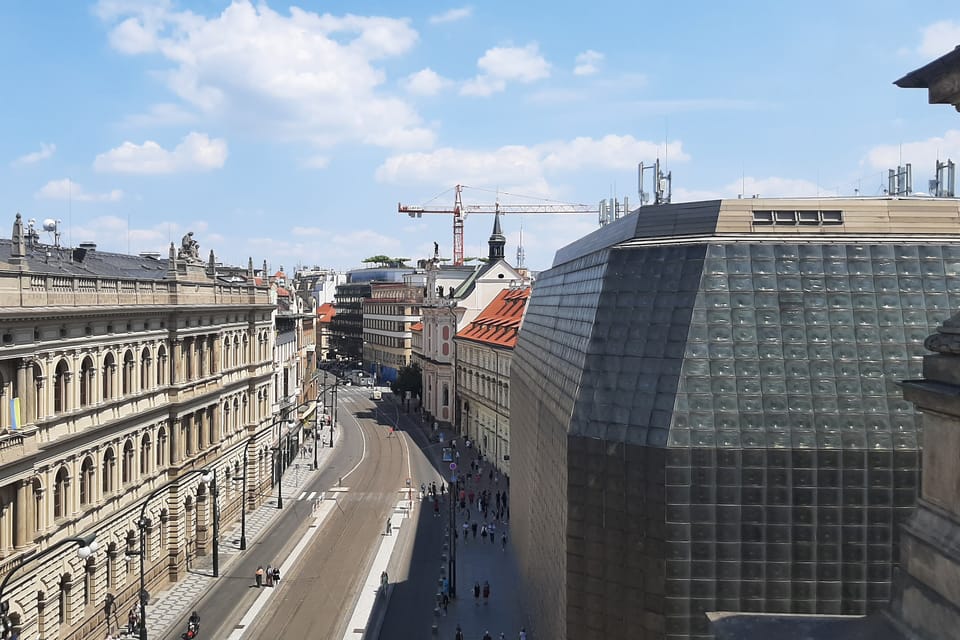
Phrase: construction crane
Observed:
(460, 212)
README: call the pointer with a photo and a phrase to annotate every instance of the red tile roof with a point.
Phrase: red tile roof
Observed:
(325, 312)
(500, 321)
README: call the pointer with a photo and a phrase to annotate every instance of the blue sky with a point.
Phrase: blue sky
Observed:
(290, 134)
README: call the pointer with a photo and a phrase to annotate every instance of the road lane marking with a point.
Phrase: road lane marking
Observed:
(324, 510)
(363, 456)
(301, 495)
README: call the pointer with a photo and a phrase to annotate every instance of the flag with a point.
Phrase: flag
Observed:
(14, 414)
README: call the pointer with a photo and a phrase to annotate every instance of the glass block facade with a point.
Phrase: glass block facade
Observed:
(720, 429)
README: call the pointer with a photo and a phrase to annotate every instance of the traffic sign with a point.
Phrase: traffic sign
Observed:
(453, 466)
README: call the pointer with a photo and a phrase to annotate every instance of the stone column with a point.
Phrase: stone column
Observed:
(5, 513)
(213, 418)
(20, 509)
(175, 438)
(176, 364)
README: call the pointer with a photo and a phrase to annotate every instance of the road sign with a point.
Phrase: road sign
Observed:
(453, 466)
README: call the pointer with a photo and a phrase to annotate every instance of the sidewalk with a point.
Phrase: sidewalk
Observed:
(167, 608)
(478, 560)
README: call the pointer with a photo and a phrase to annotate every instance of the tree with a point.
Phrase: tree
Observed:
(409, 378)
(386, 261)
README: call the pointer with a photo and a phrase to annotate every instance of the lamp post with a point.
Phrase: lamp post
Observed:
(88, 546)
(278, 454)
(246, 449)
(142, 523)
(316, 432)
(452, 537)
(210, 478)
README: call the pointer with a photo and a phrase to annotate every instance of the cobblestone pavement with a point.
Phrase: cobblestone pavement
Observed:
(168, 607)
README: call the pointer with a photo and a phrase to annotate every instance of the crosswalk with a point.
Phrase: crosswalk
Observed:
(305, 496)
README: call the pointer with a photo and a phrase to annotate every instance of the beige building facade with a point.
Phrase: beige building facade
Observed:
(120, 378)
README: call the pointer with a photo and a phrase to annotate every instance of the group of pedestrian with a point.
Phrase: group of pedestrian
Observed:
(486, 636)
(269, 576)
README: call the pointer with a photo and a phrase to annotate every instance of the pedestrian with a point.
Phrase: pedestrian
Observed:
(389, 527)
(132, 621)
(486, 591)
(473, 527)
(259, 576)
(487, 636)
(503, 541)
(476, 593)
(459, 634)
(523, 633)
(445, 601)
(466, 531)
(436, 509)
(483, 532)
(269, 575)
(276, 576)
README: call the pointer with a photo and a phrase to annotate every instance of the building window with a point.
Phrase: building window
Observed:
(128, 365)
(89, 573)
(86, 382)
(161, 365)
(61, 486)
(145, 455)
(64, 600)
(161, 447)
(109, 366)
(145, 369)
(126, 467)
(106, 479)
(86, 482)
(61, 387)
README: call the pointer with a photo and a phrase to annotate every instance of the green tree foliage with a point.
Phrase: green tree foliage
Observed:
(410, 379)
(386, 261)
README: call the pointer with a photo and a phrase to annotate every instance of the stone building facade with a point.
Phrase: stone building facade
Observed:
(707, 412)
(484, 350)
(121, 377)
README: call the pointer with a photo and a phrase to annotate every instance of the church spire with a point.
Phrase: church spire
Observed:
(497, 241)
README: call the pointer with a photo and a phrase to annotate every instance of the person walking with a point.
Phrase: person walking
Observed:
(269, 575)
(487, 636)
(259, 576)
(473, 527)
(486, 591)
(523, 633)
(476, 593)
(459, 634)
(276, 576)
(503, 541)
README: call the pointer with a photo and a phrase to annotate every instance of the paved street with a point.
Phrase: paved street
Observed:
(340, 530)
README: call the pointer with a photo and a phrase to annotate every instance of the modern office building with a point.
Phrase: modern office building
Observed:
(707, 415)
(388, 314)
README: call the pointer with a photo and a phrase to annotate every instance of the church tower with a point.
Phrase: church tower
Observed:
(497, 241)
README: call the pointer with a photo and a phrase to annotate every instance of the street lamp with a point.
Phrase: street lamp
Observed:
(452, 537)
(209, 477)
(278, 451)
(88, 546)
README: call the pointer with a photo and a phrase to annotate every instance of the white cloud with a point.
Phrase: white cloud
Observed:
(295, 76)
(317, 162)
(587, 63)
(939, 38)
(523, 168)
(453, 15)
(502, 64)
(162, 114)
(197, 152)
(66, 189)
(46, 151)
(425, 82)
(921, 153)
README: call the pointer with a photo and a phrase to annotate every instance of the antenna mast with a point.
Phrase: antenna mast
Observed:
(662, 184)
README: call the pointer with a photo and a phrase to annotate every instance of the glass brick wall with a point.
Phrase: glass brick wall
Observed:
(765, 374)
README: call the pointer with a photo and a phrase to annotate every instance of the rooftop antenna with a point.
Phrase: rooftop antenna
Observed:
(521, 254)
(944, 183)
(900, 182)
(69, 215)
(53, 226)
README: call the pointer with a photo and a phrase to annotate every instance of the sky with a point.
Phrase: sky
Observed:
(290, 133)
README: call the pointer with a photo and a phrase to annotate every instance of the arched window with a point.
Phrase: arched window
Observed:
(186, 429)
(236, 352)
(61, 486)
(128, 365)
(109, 368)
(145, 361)
(145, 455)
(446, 396)
(126, 467)
(86, 381)
(86, 481)
(227, 363)
(161, 365)
(61, 387)
(106, 472)
(64, 600)
(161, 448)
(38, 512)
(89, 574)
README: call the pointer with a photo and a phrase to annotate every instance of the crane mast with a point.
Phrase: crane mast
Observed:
(460, 213)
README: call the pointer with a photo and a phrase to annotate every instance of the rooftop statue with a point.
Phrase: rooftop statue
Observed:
(189, 249)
